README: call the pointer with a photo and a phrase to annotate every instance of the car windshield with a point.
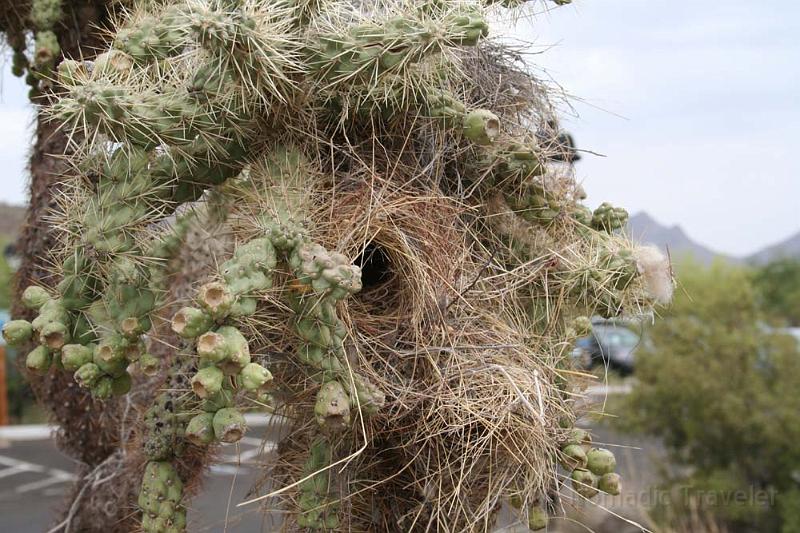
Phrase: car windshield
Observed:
(616, 337)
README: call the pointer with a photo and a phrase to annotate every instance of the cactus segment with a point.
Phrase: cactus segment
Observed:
(200, 430)
(160, 499)
(318, 508)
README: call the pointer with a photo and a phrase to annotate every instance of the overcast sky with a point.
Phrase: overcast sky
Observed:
(696, 106)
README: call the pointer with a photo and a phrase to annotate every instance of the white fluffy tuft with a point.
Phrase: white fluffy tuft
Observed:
(656, 273)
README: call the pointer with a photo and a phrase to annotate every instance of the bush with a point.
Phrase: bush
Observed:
(720, 389)
(778, 284)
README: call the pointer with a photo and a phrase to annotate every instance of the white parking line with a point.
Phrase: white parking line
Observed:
(56, 476)
(15, 466)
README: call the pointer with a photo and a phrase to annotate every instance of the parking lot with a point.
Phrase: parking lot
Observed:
(35, 478)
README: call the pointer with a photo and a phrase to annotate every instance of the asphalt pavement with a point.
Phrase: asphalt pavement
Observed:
(35, 478)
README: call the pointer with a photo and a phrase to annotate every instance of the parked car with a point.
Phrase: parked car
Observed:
(610, 344)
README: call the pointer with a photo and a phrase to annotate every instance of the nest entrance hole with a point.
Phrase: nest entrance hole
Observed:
(379, 279)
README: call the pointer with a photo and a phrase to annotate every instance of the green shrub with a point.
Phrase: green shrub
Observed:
(720, 389)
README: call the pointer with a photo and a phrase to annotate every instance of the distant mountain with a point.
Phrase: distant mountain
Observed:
(643, 228)
(789, 247)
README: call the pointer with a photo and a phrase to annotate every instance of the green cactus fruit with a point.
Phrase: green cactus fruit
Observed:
(121, 385)
(149, 364)
(34, 297)
(255, 377)
(229, 425)
(573, 456)
(38, 360)
(87, 375)
(110, 354)
(207, 382)
(200, 429)
(190, 322)
(481, 126)
(216, 299)
(332, 408)
(227, 347)
(537, 518)
(103, 388)
(584, 483)
(17, 332)
(600, 461)
(54, 335)
(610, 483)
(47, 48)
(74, 356)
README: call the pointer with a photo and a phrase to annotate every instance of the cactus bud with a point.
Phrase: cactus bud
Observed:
(610, 483)
(481, 126)
(229, 425)
(38, 360)
(191, 322)
(74, 356)
(87, 375)
(572, 457)
(537, 518)
(584, 483)
(17, 332)
(600, 461)
(255, 377)
(200, 429)
(332, 409)
(215, 298)
(207, 382)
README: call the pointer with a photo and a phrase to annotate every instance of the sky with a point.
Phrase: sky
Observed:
(695, 107)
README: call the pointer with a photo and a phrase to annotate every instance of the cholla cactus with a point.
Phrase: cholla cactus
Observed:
(407, 275)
